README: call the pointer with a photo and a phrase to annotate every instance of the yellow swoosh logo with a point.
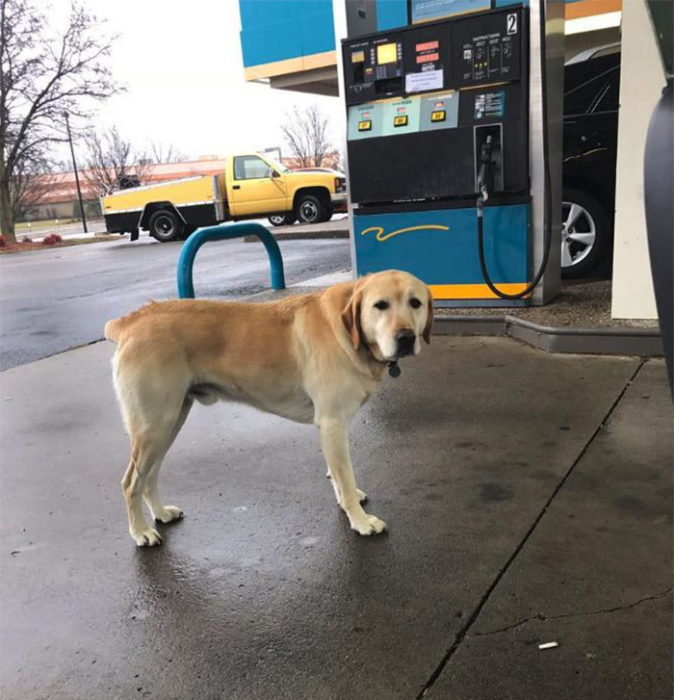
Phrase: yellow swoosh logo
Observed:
(381, 236)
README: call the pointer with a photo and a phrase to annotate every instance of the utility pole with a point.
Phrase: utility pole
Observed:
(77, 179)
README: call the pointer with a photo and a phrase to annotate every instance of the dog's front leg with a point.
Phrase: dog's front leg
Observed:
(335, 444)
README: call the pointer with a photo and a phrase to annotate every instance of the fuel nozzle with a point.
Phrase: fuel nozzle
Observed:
(485, 173)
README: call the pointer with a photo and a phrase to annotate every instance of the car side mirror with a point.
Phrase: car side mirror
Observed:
(274, 174)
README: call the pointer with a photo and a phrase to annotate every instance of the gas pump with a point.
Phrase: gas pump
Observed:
(438, 145)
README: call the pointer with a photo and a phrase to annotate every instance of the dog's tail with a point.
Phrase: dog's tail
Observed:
(112, 329)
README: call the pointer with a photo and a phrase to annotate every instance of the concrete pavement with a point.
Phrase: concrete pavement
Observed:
(528, 496)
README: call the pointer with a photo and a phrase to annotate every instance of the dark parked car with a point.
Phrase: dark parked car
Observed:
(591, 90)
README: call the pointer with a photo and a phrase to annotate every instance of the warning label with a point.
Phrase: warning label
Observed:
(489, 105)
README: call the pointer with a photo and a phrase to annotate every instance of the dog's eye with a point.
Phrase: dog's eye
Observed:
(381, 305)
(415, 303)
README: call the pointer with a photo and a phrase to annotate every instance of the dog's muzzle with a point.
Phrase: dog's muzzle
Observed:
(405, 341)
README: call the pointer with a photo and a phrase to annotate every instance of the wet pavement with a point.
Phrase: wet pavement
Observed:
(54, 300)
(528, 496)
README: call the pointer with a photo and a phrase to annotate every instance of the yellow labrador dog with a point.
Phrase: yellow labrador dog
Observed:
(315, 357)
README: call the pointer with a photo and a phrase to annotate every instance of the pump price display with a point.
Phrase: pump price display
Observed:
(439, 115)
(400, 120)
(365, 125)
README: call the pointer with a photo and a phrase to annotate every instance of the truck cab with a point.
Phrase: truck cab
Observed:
(256, 181)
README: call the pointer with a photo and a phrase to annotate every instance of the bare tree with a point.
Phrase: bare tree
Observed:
(33, 177)
(305, 133)
(166, 153)
(112, 162)
(43, 75)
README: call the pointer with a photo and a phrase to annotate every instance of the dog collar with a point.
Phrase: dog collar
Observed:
(392, 365)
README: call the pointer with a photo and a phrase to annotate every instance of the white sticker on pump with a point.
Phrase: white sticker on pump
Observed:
(428, 80)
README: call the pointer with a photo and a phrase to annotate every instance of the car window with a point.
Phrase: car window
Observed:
(608, 98)
(592, 86)
(250, 168)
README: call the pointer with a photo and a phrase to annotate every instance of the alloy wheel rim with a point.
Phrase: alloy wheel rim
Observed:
(579, 234)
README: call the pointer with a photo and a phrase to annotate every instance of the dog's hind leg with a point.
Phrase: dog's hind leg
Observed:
(160, 512)
(147, 448)
(152, 409)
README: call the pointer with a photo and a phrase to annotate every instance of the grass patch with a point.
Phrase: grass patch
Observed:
(25, 247)
(27, 227)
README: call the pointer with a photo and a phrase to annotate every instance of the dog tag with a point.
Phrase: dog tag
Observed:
(393, 369)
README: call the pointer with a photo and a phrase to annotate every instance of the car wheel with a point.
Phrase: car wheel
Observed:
(165, 226)
(310, 209)
(281, 219)
(586, 233)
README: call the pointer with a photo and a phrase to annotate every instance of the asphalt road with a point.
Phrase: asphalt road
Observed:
(54, 300)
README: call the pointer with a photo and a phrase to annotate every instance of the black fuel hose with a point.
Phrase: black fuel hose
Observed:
(547, 194)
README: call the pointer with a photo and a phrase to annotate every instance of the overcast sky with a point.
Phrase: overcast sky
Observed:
(181, 63)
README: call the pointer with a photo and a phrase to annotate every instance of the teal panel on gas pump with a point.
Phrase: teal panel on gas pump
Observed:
(440, 247)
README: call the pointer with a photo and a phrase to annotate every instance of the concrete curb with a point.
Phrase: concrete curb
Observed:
(644, 342)
(601, 341)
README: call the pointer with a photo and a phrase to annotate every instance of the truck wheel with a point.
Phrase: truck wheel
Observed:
(165, 226)
(282, 219)
(310, 209)
(328, 214)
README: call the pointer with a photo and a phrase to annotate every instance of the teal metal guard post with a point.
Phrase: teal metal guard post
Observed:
(220, 233)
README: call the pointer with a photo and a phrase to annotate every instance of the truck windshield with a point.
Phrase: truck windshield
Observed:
(279, 167)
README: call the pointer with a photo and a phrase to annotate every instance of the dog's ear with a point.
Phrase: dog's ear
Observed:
(429, 321)
(351, 315)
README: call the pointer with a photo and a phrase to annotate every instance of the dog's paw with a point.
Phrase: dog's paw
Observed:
(369, 525)
(147, 538)
(168, 514)
(362, 496)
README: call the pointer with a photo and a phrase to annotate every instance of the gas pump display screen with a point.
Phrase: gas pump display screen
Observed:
(468, 51)
(387, 53)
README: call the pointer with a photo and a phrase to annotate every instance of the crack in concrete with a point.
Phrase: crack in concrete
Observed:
(545, 618)
(462, 633)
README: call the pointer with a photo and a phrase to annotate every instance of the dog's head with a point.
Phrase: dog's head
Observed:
(389, 312)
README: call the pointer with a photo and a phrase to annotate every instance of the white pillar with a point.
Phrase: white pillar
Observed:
(339, 18)
(641, 82)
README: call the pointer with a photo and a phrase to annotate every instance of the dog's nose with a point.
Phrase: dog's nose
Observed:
(405, 339)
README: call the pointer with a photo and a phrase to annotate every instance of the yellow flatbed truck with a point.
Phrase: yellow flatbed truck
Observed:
(252, 186)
